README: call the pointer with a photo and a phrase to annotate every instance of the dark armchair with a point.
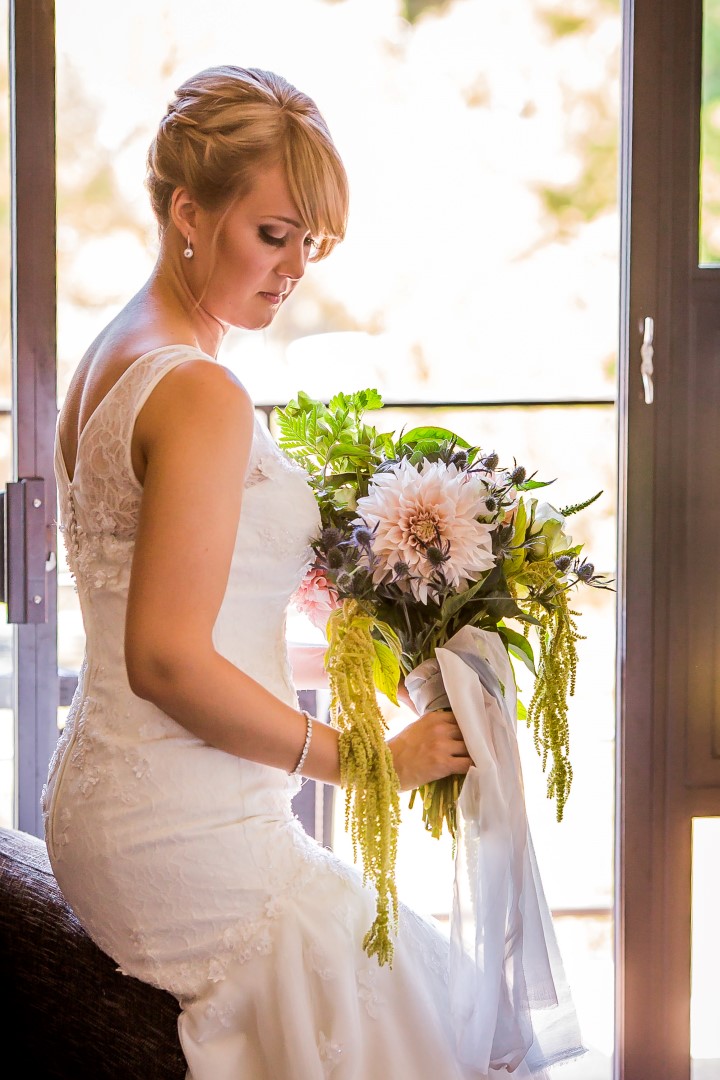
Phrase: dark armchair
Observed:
(70, 1013)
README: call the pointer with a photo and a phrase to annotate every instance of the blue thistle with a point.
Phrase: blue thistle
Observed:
(330, 537)
(335, 558)
(363, 536)
(434, 555)
(344, 582)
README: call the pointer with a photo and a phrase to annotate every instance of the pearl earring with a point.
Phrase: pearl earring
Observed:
(188, 252)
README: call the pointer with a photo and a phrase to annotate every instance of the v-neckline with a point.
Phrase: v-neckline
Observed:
(103, 399)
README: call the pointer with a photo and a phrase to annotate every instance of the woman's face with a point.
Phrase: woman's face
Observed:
(260, 255)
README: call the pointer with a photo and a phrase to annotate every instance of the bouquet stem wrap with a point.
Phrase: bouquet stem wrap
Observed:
(510, 1003)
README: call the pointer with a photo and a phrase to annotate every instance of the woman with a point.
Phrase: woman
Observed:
(168, 806)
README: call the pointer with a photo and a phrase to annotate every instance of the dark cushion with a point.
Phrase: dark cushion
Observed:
(71, 1013)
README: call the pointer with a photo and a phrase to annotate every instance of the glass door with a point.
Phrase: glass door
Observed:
(477, 287)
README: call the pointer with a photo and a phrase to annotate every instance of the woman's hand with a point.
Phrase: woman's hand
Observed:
(429, 749)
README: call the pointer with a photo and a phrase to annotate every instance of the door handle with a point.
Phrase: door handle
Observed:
(647, 353)
(23, 559)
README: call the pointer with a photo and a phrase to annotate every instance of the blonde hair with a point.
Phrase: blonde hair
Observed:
(225, 125)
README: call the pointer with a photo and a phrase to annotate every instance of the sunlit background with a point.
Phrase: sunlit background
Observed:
(480, 271)
(480, 266)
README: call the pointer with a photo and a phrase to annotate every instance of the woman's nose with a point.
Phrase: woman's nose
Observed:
(294, 259)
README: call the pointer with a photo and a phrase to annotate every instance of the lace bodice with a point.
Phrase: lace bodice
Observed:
(99, 510)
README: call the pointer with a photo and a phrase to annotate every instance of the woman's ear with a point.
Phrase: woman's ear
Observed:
(183, 212)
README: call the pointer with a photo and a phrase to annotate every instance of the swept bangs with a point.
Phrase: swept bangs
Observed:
(317, 182)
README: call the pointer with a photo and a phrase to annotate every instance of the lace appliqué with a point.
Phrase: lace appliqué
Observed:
(86, 768)
(99, 559)
(223, 1015)
(254, 933)
(269, 461)
(368, 992)
(330, 1053)
(318, 961)
(429, 943)
(60, 826)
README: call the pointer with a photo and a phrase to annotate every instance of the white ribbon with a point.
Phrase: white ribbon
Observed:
(510, 1003)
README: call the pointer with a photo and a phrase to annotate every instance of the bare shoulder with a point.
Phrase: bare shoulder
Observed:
(200, 388)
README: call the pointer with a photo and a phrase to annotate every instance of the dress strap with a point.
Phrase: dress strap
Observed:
(138, 383)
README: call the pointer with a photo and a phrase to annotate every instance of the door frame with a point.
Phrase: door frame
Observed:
(668, 767)
(34, 376)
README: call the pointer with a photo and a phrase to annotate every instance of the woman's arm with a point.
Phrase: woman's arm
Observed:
(194, 435)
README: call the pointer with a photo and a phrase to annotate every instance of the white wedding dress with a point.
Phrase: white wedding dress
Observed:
(187, 865)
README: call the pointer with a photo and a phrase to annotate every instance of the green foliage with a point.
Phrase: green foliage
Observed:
(711, 53)
(531, 485)
(710, 135)
(432, 437)
(367, 772)
(518, 646)
(547, 714)
(562, 24)
(595, 189)
(412, 10)
(386, 665)
(567, 511)
(332, 443)
(439, 805)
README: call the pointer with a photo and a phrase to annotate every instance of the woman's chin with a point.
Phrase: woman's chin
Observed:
(258, 322)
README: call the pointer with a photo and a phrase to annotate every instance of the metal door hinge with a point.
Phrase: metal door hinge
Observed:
(24, 558)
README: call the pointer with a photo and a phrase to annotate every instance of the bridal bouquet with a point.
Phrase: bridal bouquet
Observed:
(431, 552)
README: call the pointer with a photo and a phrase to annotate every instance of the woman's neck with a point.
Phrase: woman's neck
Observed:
(168, 292)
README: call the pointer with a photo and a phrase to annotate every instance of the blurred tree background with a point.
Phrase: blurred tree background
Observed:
(558, 152)
(710, 137)
(561, 95)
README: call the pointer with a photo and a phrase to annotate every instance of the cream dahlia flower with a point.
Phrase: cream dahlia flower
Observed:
(409, 511)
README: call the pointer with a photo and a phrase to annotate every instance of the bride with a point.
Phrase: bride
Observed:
(168, 806)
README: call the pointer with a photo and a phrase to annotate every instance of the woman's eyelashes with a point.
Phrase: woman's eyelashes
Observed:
(280, 241)
(275, 241)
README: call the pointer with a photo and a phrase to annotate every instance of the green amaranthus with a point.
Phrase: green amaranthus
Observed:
(547, 712)
(367, 772)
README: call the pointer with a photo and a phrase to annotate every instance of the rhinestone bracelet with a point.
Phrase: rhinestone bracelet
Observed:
(308, 736)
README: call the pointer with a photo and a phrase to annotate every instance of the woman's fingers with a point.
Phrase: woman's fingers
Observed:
(461, 759)
(430, 748)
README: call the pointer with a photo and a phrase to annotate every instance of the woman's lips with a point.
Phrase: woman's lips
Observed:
(273, 298)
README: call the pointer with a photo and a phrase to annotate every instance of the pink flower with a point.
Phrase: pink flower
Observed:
(316, 598)
(416, 513)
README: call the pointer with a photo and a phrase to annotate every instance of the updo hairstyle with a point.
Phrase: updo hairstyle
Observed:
(225, 125)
